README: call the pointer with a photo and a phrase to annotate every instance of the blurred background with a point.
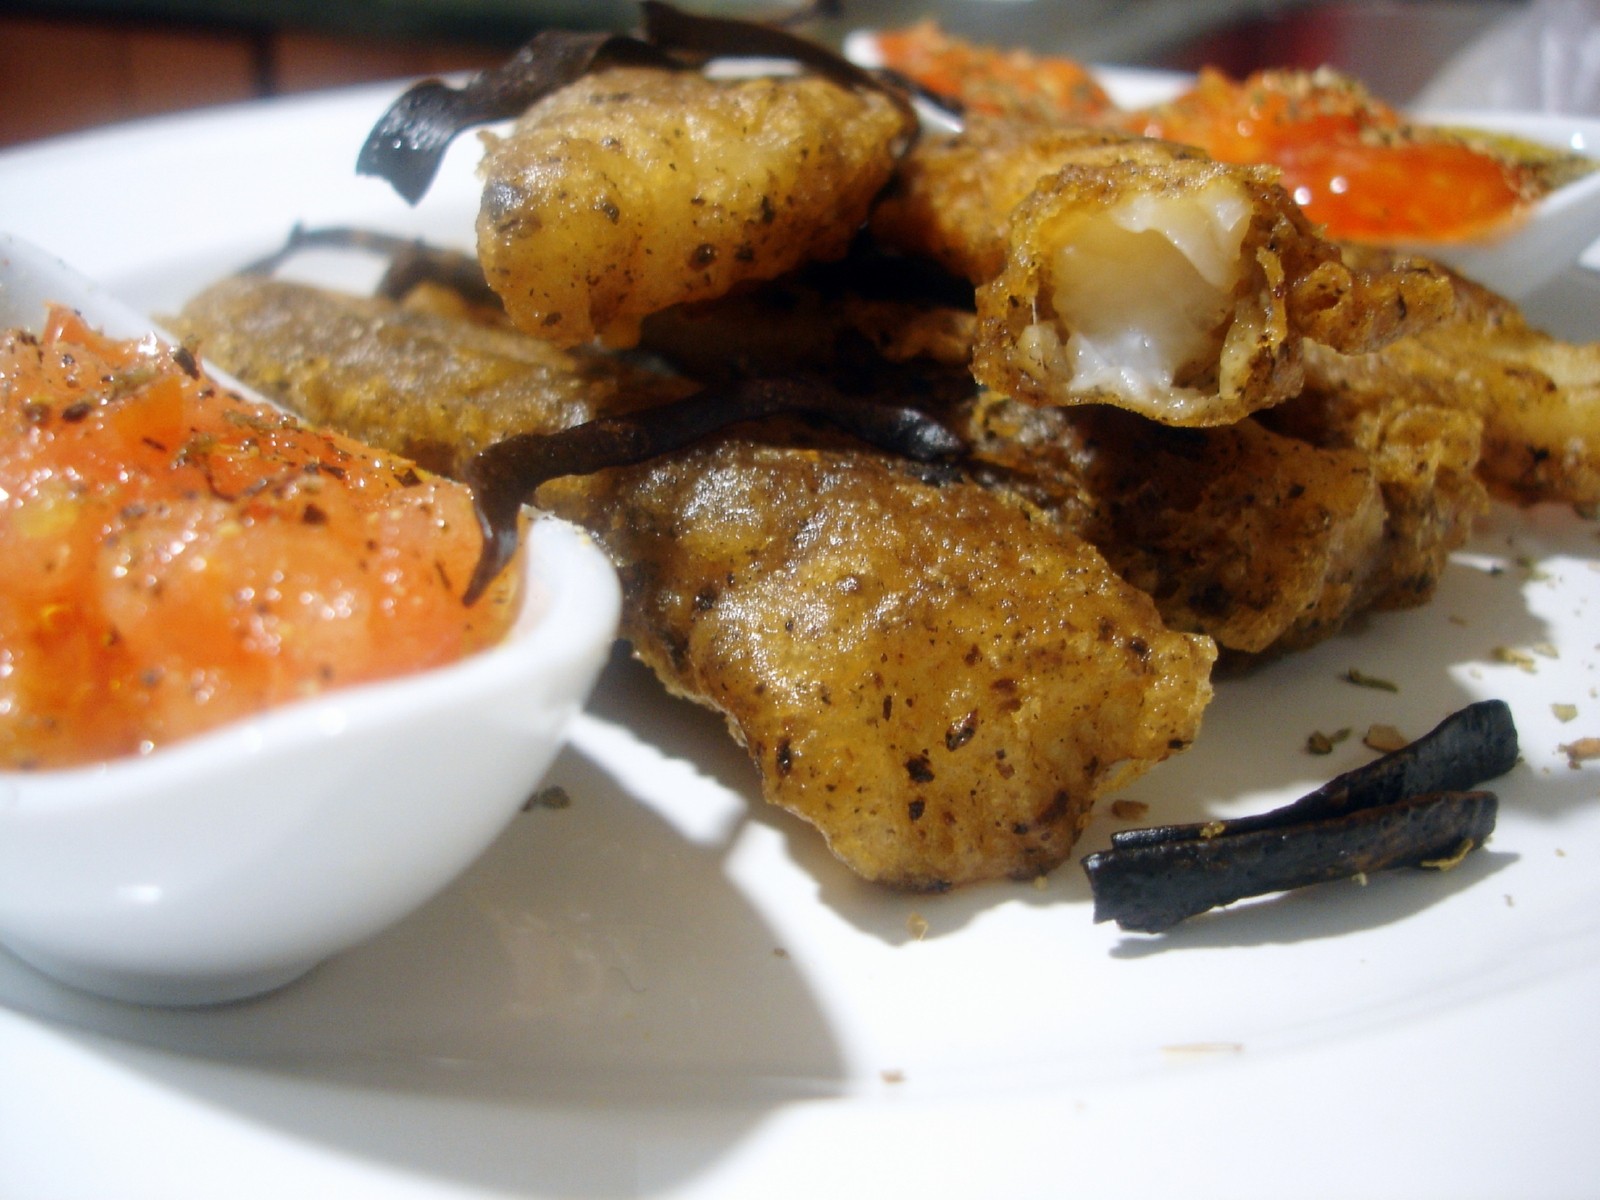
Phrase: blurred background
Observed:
(71, 64)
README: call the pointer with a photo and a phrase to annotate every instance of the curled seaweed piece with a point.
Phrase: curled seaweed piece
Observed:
(412, 261)
(1408, 808)
(504, 475)
(408, 142)
(333, 237)
(702, 38)
(1470, 746)
(1150, 888)
(707, 37)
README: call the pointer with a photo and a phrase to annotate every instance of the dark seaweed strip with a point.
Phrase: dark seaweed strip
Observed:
(1475, 744)
(411, 261)
(729, 37)
(1149, 889)
(408, 142)
(504, 475)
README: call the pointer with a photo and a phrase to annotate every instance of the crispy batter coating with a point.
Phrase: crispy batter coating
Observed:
(433, 387)
(1258, 540)
(1538, 398)
(953, 197)
(635, 189)
(1134, 272)
(783, 329)
(832, 317)
(937, 679)
(1268, 535)
(1425, 459)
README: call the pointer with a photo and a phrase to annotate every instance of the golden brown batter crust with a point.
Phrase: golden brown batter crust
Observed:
(636, 189)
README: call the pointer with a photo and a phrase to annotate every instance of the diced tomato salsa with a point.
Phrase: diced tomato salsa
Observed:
(1346, 158)
(1349, 160)
(176, 557)
(990, 80)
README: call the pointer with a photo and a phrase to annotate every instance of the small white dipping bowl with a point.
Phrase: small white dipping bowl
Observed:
(1551, 238)
(230, 863)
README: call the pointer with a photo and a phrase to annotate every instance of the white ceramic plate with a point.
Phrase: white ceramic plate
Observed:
(665, 990)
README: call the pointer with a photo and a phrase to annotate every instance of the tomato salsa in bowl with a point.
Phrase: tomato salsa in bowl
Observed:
(245, 718)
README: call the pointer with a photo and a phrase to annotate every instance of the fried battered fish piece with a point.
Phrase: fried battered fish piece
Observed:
(634, 189)
(1537, 397)
(1138, 273)
(430, 386)
(1260, 541)
(933, 676)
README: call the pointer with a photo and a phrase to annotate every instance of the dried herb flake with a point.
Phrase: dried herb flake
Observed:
(1362, 679)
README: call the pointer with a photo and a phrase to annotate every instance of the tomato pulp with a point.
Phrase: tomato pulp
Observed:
(177, 557)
